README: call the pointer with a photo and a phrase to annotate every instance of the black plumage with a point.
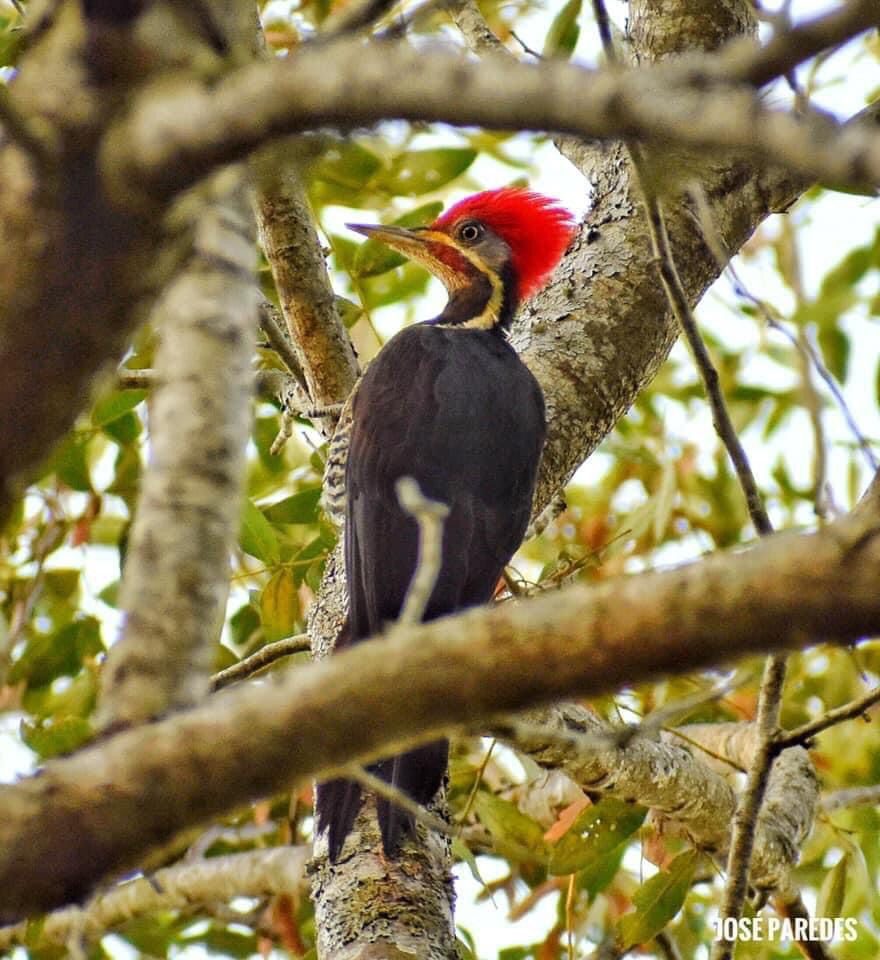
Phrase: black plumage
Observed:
(457, 410)
(450, 404)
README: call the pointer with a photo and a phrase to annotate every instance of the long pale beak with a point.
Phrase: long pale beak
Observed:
(423, 245)
(411, 243)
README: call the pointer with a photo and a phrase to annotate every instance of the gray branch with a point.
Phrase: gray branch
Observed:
(131, 791)
(176, 577)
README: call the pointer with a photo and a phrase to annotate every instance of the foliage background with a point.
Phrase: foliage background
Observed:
(659, 490)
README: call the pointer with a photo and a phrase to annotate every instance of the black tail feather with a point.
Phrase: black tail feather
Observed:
(336, 805)
(418, 773)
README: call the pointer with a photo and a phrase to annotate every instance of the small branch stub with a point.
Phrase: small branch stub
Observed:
(429, 515)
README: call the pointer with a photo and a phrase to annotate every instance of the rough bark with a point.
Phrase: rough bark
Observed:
(687, 793)
(74, 270)
(294, 252)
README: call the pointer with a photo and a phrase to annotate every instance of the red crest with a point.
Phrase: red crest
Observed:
(535, 227)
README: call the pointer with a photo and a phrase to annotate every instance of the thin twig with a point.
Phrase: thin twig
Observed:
(477, 781)
(743, 835)
(801, 735)
(742, 840)
(851, 797)
(258, 661)
(722, 257)
(719, 757)
(813, 403)
(834, 387)
(272, 325)
(796, 910)
(678, 710)
(429, 515)
(127, 379)
(525, 47)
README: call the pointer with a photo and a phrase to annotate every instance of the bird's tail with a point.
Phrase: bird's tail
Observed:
(418, 773)
(336, 805)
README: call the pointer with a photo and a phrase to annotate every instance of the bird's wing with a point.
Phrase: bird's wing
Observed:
(460, 414)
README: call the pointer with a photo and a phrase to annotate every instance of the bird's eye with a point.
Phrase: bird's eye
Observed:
(471, 231)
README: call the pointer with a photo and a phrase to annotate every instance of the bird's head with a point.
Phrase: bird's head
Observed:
(491, 251)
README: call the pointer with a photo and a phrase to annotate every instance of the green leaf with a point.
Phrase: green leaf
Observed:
(77, 699)
(301, 507)
(243, 624)
(62, 583)
(110, 594)
(313, 550)
(126, 468)
(374, 258)
(598, 874)
(846, 274)
(659, 900)
(257, 537)
(11, 40)
(279, 605)
(835, 348)
(349, 312)
(420, 171)
(224, 942)
(52, 738)
(515, 835)
(153, 935)
(833, 889)
(562, 37)
(47, 656)
(70, 463)
(125, 429)
(395, 287)
(113, 405)
(461, 851)
(598, 831)
(346, 164)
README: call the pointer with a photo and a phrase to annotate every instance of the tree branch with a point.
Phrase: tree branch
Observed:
(692, 799)
(804, 734)
(173, 136)
(133, 790)
(257, 873)
(174, 587)
(786, 49)
(294, 252)
(256, 662)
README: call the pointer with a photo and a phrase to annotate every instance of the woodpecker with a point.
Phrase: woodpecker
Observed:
(449, 403)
